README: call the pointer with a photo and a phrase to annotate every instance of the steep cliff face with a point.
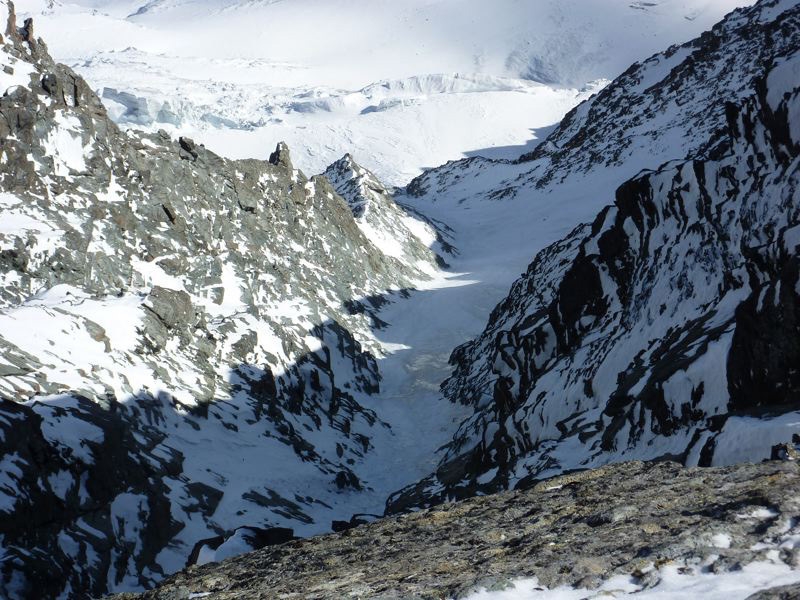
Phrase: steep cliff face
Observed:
(185, 341)
(668, 328)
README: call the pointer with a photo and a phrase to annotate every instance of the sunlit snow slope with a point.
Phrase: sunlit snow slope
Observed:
(401, 85)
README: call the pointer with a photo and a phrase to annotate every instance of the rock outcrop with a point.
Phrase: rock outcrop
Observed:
(579, 529)
(385, 223)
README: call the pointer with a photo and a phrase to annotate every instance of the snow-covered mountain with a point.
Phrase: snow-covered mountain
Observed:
(199, 355)
(383, 222)
(186, 342)
(400, 85)
(666, 327)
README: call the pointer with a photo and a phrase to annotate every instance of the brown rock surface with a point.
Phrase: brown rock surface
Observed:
(577, 529)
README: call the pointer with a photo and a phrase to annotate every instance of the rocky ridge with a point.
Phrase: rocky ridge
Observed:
(667, 328)
(183, 338)
(384, 222)
(580, 529)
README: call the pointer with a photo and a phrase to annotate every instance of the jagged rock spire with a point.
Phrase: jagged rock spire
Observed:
(24, 33)
(282, 157)
(11, 23)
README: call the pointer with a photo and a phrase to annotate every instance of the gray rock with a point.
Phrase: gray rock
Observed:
(550, 532)
(785, 592)
(172, 307)
(282, 157)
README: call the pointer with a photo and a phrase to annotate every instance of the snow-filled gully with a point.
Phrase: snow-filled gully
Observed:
(495, 241)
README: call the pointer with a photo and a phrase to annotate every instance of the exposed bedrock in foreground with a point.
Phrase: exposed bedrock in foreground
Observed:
(577, 529)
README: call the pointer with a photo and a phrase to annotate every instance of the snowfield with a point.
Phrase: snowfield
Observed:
(402, 86)
(673, 582)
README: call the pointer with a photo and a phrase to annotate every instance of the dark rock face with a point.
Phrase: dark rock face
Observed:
(765, 349)
(66, 492)
(187, 323)
(579, 529)
(667, 329)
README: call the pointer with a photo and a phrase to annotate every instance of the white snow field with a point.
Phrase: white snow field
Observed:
(402, 85)
(732, 585)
